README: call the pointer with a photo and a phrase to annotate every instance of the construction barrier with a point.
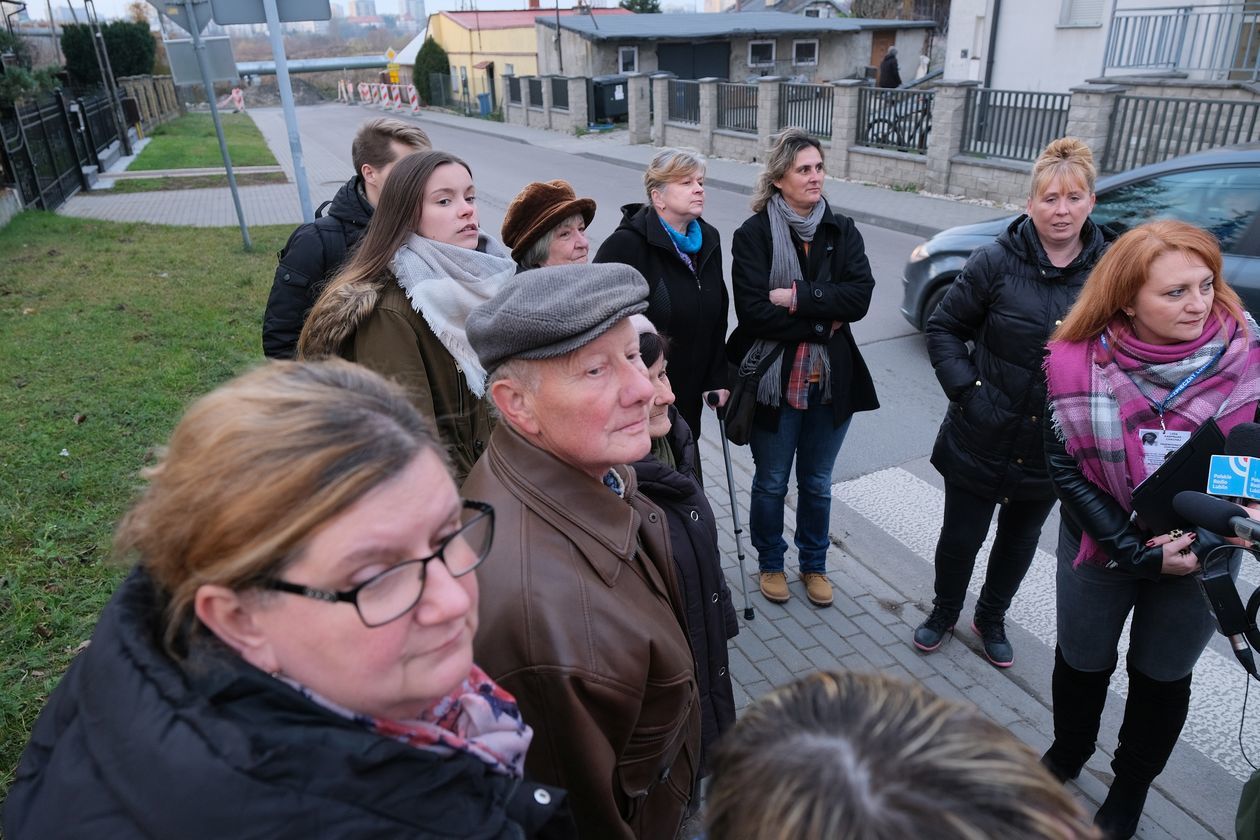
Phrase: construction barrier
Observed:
(238, 99)
(365, 92)
(395, 92)
(413, 96)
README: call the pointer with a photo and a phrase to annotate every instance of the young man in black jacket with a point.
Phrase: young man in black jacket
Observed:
(317, 249)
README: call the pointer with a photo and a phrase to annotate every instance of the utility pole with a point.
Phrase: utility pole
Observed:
(107, 74)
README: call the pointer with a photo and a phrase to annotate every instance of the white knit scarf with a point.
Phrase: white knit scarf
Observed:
(444, 282)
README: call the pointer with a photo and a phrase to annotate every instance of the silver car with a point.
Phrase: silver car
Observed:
(1218, 190)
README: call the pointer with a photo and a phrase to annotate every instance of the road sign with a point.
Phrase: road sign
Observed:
(251, 11)
(178, 14)
(390, 54)
(182, 57)
(393, 73)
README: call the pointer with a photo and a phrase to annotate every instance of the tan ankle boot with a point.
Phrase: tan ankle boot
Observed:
(817, 588)
(774, 586)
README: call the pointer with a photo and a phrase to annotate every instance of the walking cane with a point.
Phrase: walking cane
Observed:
(712, 400)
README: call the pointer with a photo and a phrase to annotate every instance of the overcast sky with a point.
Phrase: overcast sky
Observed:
(109, 9)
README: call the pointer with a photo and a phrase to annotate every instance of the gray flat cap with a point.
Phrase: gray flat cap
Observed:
(547, 312)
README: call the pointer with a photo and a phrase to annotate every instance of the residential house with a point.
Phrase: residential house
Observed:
(483, 46)
(733, 46)
(1055, 45)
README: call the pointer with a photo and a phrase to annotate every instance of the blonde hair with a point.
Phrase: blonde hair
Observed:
(1125, 268)
(373, 142)
(1066, 158)
(867, 756)
(255, 467)
(668, 166)
(787, 145)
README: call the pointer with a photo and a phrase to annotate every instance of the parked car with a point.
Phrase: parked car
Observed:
(1218, 190)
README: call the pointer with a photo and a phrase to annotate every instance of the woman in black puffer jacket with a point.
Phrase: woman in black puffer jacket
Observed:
(667, 476)
(1008, 300)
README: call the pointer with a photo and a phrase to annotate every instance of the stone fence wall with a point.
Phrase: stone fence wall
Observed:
(155, 96)
(944, 167)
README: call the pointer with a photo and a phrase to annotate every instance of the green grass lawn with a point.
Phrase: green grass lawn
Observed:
(191, 182)
(107, 331)
(189, 142)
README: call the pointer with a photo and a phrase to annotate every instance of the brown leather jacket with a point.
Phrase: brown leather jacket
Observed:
(581, 619)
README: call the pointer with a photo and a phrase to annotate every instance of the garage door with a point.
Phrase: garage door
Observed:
(695, 61)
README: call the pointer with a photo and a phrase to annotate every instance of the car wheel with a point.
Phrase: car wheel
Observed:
(934, 300)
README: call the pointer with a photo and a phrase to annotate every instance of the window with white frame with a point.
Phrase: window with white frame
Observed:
(761, 53)
(811, 13)
(1081, 13)
(628, 59)
(509, 69)
(805, 52)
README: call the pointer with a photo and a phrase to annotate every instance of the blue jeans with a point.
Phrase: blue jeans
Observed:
(813, 440)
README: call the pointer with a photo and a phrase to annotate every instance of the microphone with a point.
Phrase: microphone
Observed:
(1216, 515)
(1222, 517)
(1244, 439)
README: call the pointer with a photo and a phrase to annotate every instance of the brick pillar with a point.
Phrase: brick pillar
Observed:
(579, 107)
(639, 91)
(844, 113)
(945, 141)
(660, 95)
(767, 112)
(708, 113)
(1089, 115)
(546, 103)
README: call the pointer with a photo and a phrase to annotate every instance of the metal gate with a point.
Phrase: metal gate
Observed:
(44, 147)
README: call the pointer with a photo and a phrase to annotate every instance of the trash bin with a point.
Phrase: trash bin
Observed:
(484, 104)
(610, 100)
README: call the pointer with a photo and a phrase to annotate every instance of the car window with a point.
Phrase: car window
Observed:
(1223, 200)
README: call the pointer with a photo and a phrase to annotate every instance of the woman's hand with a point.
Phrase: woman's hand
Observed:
(722, 395)
(1178, 558)
(781, 297)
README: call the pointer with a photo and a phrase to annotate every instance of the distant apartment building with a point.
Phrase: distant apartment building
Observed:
(362, 8)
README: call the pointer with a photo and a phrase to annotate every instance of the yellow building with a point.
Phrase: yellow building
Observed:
(485, 46)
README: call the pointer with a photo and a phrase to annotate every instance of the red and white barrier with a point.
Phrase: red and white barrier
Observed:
(238, 99)
(413, 96)
(365, 93)
(395, 92)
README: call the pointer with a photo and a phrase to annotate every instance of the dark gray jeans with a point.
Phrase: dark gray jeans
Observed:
(1172, 624)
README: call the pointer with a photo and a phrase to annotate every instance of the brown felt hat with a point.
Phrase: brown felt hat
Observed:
(537, 209)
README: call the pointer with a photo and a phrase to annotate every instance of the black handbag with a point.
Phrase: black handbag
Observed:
(741, 405)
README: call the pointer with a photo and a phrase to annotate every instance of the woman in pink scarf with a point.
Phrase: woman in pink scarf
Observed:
(1156, 345)
(292, 656)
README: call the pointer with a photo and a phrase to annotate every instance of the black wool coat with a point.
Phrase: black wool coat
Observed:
(706, 597)
(132, 744)
(1007, 301)
(307, 262)
(837, 285)
(690, 308)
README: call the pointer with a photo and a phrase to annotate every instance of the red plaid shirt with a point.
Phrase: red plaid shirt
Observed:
(803, 374)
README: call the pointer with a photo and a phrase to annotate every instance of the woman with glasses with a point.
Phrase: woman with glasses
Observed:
(292, 655)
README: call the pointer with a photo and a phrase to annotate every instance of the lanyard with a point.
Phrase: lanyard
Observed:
(1179, 389)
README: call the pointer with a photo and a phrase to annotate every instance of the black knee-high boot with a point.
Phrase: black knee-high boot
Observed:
(1153, 718)
(1078, 698)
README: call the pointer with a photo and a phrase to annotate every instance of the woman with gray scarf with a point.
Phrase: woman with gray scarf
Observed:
(800, 277)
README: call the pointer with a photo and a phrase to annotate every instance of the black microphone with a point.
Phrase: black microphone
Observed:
(1244, 439)
(1222, 517)
(1216, 515)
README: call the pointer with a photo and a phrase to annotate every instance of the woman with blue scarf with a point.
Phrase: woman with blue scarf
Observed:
(680, 255)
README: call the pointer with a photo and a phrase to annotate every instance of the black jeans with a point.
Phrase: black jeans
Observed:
(965, 526)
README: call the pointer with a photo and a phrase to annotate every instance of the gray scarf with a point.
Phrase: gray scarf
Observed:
(785, 269)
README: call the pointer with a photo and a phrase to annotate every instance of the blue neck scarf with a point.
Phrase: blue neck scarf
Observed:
(689, 244)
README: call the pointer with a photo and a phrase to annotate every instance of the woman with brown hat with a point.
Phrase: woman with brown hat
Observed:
(546, 225)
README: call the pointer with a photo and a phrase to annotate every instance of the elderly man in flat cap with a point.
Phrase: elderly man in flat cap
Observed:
(581, 611)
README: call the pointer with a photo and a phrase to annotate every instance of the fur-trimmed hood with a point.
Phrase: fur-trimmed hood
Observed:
(338, 314)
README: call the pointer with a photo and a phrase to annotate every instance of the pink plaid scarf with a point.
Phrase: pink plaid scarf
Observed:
(478, 718)
(1103, 390)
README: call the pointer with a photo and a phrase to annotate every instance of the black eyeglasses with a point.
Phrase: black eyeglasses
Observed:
(394, 592)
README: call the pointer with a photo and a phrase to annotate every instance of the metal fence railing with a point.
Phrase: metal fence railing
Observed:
(1012, 124)
(560, 92)
(684, 101)
(807, 107)
(514, 90)
(899, 120)
(534, 86)
(1221, 39)
(43, 150)
(1148, 129)
(96, 112)
(737, 107)
(442, 94)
